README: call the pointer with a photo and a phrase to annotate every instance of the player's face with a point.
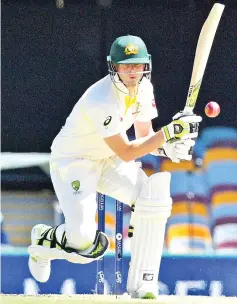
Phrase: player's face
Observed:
(130, 74)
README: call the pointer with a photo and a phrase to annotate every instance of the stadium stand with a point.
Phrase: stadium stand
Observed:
(188, 229)
(220, 163)
(4, 239)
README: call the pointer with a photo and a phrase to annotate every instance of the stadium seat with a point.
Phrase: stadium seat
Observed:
(188, 226)
(198, 153)
(220, 163)
(150, 164)
(4, 239)
(211, 135)
(167, 165)
(24, 209)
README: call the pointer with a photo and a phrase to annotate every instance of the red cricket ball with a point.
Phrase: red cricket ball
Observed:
(212, 109)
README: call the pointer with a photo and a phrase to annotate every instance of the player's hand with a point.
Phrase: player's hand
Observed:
(179, 150)
(182, 127)
(182, 114)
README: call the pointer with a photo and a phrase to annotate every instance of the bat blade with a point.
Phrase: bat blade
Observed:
(203, 49)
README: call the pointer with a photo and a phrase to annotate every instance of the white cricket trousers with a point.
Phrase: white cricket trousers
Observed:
(76, 182)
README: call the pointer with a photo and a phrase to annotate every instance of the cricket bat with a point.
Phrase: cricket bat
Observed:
(203, 49)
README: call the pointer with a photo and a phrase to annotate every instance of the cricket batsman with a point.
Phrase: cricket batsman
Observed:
(93, 153)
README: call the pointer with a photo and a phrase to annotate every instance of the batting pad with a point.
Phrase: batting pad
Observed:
(152, 209)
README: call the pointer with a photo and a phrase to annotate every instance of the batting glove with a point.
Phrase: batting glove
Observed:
(184, 127)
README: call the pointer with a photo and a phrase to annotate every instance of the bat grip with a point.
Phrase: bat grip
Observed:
(188, 111)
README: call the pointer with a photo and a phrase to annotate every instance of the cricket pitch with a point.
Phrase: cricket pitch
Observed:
(107, 299)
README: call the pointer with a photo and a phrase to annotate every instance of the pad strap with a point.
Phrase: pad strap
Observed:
(97, 249)
(48, 239)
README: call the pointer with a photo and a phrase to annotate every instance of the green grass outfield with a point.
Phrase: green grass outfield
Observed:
(94, 299)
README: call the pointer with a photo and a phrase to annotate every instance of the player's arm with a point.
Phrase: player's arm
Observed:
(143, 129)
(130, 150)
(184, 128)
(109, 127)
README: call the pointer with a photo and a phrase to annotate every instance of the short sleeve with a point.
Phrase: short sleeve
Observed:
(148, 106)
(106, 119)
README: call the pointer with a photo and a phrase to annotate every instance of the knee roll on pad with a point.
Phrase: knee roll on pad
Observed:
(154, 200)
(157, 186)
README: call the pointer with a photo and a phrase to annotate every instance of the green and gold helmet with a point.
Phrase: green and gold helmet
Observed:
(129, 50)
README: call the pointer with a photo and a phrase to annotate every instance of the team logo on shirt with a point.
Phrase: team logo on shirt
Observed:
(107, 121)
(137, 108)
(76, 186)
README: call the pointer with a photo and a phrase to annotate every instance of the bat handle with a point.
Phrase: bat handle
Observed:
(188, 111)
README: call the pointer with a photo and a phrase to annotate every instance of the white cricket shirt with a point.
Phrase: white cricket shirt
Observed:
(102, 112)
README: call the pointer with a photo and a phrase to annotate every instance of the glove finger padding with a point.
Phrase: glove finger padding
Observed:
(169, 151)
(183, 156)
(191, 118)
(184, 145)
(181, 114)
(184, 148)
(190, 136)
(178, 150)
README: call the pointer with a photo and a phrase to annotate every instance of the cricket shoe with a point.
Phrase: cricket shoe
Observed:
(146, 291)
(40, 267)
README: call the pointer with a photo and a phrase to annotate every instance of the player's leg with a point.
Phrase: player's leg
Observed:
(77, 240)
(121, 180)
(129, 184)
(152, 209)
